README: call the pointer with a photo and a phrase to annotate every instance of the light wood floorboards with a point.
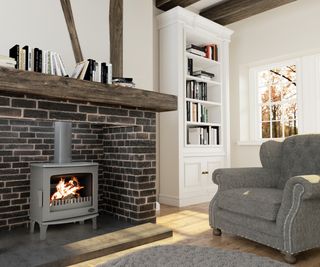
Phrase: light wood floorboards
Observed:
(190, 226)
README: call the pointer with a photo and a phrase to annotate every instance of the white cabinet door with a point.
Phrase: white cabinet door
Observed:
(192, 175)
(198, 173)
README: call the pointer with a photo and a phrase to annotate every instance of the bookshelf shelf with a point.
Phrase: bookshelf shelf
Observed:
(203, 102)
(209, 82)
(49, 86)
(190, 123)
(204, 62)
(194, 140)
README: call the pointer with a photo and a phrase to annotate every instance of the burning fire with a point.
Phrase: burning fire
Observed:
(67, 190)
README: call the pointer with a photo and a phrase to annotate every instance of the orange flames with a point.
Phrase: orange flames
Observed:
(67, 190)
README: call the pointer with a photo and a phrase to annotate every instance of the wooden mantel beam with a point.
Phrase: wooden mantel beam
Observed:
(230, 11)
(168, 4)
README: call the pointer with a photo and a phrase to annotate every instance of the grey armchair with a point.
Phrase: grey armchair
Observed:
(278, 204)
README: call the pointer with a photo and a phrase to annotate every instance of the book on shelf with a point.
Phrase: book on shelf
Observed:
(214, 136)
(212, 52)
(190, 66)
(209, 51)
(203, 135)
(196, 50)
(197, 90)
(37, 60)
(196, 112)
(7, 62)
(92, 70)
(203, 74)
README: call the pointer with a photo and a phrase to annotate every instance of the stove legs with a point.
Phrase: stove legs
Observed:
(32, 223)
(44, 225)
(94, 223)
(43, 231)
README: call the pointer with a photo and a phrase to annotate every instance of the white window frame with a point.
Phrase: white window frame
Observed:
(255, 122)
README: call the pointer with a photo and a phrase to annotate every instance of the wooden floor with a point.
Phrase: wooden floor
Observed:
(190, 226)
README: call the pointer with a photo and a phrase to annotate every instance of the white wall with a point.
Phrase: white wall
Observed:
(282, 33)
(41, 23)
(138, 42)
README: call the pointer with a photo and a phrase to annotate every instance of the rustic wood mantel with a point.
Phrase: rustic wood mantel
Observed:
(49, 86)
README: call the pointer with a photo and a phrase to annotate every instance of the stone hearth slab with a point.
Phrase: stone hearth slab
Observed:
(64, 246)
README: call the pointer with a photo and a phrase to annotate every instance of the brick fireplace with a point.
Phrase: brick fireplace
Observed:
(121, 140)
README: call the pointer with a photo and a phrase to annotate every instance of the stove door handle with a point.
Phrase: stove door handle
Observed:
(40, 201)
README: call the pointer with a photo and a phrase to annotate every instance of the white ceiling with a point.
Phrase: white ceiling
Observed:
(202, 4)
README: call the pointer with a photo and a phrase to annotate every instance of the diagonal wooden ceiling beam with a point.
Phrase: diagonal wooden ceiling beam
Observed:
(230, 11)
(168, 4)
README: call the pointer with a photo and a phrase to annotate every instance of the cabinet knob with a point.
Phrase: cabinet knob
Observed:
(205, 172)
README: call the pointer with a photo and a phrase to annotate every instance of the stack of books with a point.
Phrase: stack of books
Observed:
(91, 70)
(196, 50)
(7, 62)
(203, 136)
(208, 51)
(35, 59)
(203, 74)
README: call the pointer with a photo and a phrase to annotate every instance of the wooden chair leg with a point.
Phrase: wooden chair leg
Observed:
(289, 258)
(216, 231)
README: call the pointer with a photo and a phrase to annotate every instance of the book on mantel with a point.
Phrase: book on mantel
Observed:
(35, 59)
(7, 62)
(92, 70)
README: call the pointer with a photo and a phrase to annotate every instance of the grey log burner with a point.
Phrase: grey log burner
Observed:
(63, 191)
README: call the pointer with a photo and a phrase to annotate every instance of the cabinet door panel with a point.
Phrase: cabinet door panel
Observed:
(192, 174)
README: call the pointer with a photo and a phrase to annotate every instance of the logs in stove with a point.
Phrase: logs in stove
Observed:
(63, 191)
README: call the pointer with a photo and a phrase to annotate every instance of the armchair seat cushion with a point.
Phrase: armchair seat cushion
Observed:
(263, 203)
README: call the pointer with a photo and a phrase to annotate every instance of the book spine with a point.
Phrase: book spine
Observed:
(52, 68)
(36, 60)
(109, 78)
(44, 61)
(190, 66)
(14, 53)
(26, 51)
(21, 59)
(40, 61)
(62, 67)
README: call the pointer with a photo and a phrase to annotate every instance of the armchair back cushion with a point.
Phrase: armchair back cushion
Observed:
(300, 156)
(271, 156)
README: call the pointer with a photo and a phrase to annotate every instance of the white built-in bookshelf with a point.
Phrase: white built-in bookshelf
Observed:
(194, 140)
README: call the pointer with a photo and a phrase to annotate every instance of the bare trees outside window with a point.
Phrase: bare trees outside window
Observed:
(277, 102)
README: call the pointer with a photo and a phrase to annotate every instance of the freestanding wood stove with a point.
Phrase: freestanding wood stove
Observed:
(63, 191)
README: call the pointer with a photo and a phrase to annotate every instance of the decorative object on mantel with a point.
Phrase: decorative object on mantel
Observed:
(35, 59)
(122, 81)
(189, 256)
(32, 83)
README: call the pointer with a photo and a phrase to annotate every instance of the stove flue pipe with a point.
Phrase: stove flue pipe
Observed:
(62, 142)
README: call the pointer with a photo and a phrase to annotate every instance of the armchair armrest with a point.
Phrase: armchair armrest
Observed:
(310, 184)
(243, 177)
(299, 213)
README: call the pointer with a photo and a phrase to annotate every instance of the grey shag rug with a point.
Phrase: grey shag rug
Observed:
(190, 256)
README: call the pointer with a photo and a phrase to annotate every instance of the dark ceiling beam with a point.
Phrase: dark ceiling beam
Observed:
(116, 37)
(67, 11)
(168, 4)
(230, 11)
